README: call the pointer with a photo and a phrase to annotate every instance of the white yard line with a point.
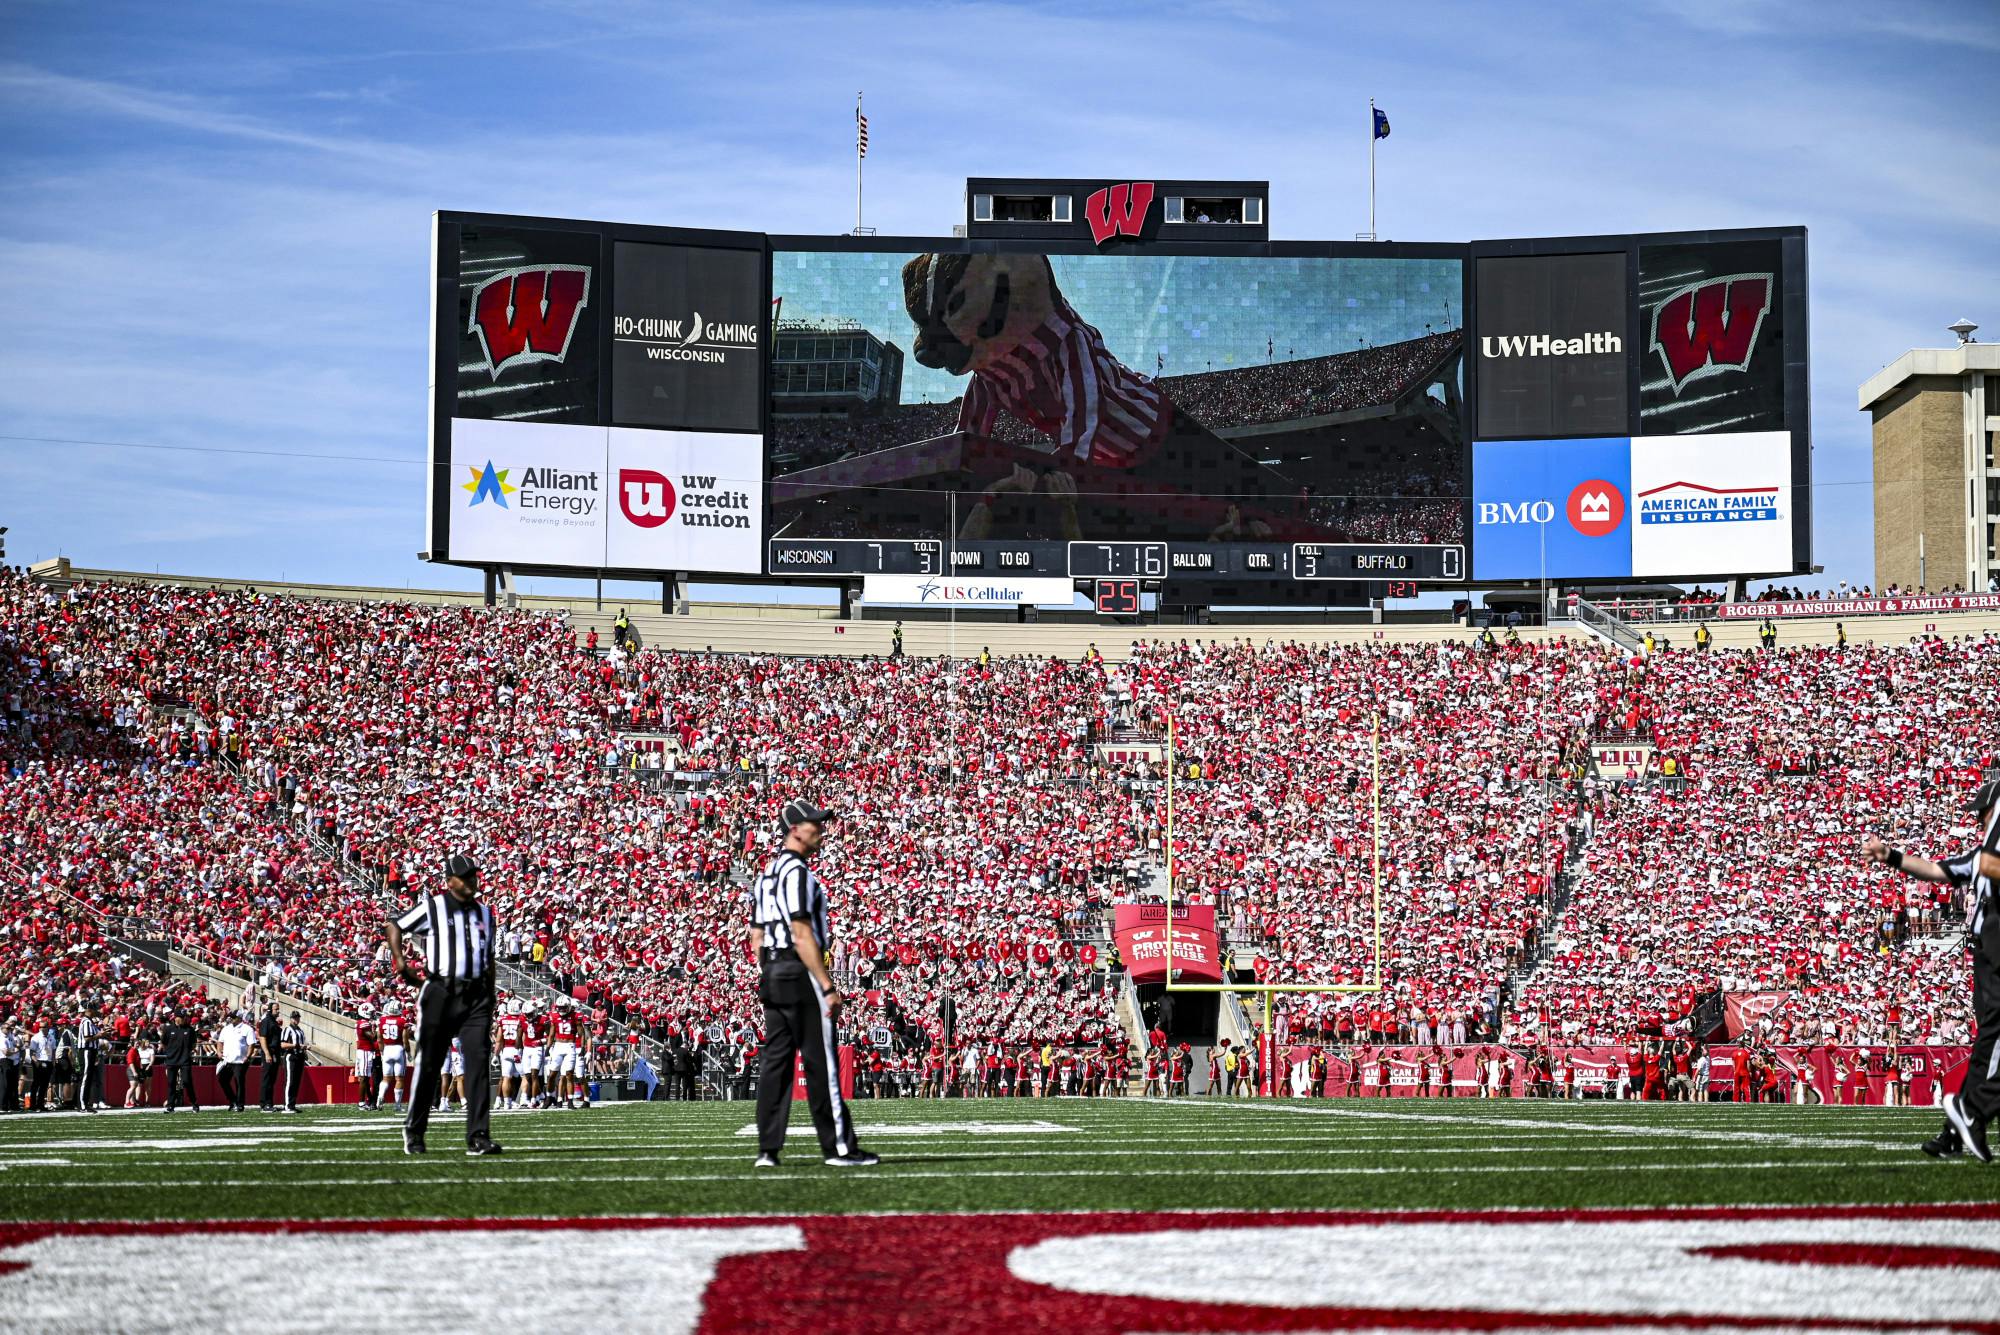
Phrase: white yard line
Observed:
(1595, 1128)
(1013, 1152)
(791, 1178)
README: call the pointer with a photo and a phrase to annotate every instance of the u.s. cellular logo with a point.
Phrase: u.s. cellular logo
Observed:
(1693, 503)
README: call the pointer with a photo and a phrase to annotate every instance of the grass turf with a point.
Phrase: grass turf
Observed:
(981, 1155)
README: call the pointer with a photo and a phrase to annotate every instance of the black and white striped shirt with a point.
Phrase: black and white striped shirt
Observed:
(787, 889)
(1963, 872)
(458, 938)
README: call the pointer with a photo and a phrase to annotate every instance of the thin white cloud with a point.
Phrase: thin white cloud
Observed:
(49, 90)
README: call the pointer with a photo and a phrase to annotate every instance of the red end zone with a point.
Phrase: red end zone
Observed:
(1837, 1268)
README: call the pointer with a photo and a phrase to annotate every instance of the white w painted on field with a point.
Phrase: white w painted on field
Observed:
(266, 1282)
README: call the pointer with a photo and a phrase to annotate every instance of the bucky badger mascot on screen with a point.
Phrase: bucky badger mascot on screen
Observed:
(1002, 320)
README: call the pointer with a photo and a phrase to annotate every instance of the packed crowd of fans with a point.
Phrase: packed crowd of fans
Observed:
(254, 777)
(1746, 879)
(1282, 391)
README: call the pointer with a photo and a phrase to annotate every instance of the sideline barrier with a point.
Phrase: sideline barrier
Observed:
(1833, 1074)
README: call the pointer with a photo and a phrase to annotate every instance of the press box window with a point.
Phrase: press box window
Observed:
(1021, 208)
(1207, 208)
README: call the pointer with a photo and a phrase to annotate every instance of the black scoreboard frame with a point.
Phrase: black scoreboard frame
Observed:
(1282, 586)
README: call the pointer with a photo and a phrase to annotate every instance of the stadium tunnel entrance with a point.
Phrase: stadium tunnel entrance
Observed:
(1187, 1017)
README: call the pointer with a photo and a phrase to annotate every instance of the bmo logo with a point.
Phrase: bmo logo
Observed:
(1595, 508)
(1516, 512)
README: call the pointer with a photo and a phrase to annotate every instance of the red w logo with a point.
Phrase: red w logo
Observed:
(528, 315)
(1119, 209)
(1711, 326)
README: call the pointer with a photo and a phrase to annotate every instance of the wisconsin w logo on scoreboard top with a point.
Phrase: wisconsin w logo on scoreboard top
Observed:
(528, 314)
(1709, 327)
(1118, 210)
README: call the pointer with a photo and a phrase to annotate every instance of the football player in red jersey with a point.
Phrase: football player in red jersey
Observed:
(508, 1027)
(364, 1056)
(531, 1058)
(394, 1033)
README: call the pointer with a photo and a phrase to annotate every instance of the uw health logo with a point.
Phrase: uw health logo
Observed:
(1710, 327)
(528, 314)
(646, 497)
(1596, 508)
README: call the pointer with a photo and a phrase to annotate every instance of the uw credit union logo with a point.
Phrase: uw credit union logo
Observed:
(646, 497)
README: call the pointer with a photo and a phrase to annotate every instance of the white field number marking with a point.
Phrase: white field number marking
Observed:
(428, 1280)
(1646, 1267)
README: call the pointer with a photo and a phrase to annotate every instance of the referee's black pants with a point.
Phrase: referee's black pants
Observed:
(460, 1008)
(267, 1085)
(295, 1076)
(9, 1084)
(796, 1020)
(1980, 1089)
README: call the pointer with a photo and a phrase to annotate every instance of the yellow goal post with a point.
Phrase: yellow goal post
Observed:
(1268, 990)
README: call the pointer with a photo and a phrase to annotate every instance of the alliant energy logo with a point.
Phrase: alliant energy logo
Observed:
(1693, 503)
(1710, 327)
(549, 491)
(528, 314)
(1549, 345)
(671, 339)
(702, 500)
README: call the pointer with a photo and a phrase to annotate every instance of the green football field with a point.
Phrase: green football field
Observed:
(982, 1155)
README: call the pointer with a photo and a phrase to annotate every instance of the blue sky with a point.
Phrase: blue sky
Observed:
(219, 214)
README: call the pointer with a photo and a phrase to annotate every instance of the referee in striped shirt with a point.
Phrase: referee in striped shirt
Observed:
(1977, 875)
(454, 1000)
(790, 936)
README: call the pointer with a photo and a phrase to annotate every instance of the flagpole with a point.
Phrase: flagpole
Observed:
(1372, 136)
(857, 164)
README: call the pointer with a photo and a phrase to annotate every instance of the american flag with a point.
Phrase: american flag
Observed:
(860, 133)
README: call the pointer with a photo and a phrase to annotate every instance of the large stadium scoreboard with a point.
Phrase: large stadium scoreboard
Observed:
(1150, 397)
(1150, 561)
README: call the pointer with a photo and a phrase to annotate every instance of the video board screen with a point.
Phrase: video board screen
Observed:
(1126, 397)
(1552, 333)
(1712, 317)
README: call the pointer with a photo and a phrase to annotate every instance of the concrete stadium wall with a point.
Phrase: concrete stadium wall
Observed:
(791, 628)
(329, 1035)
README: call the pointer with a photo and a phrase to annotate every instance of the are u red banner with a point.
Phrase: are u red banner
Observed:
(1142, 941)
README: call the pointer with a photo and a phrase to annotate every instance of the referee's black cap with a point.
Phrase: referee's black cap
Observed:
(803, 813)
(461, 866)
(1983, 796)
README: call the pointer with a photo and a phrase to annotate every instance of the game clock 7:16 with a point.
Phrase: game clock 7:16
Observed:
(1113, 560)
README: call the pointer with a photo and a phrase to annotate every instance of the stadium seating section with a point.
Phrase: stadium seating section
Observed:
(252, 775)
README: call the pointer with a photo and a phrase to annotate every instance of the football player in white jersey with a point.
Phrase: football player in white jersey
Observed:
(394, 1032)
